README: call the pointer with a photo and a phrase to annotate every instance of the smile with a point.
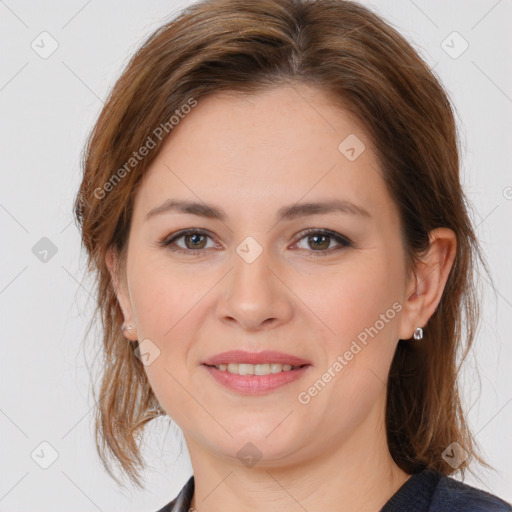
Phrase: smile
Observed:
(255, 369)
(255, 379)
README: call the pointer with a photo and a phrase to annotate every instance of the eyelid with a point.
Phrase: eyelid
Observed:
(343, 241)
(182, 233)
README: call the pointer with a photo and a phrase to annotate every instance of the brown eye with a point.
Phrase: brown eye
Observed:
(319, 241)
(195, 241)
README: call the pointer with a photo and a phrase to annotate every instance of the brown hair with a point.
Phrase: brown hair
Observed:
(364, 64)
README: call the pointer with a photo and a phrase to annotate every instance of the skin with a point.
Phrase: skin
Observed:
(251, 156)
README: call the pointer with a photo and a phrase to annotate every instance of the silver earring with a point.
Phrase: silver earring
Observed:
(418, 333)
(126, 327)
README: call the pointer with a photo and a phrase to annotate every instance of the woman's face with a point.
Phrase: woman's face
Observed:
(258, 281)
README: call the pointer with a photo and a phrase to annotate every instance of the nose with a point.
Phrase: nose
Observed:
(254, 294)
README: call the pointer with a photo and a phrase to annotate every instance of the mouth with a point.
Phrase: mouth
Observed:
(255, 369)
(255, 373)
(250, 359)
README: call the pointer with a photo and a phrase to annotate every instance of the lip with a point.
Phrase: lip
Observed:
(267, 356)
(255, 384)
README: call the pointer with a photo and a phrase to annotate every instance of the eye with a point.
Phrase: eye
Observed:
(320, 240)
(195, 241)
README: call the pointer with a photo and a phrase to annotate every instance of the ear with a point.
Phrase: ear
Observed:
(121, 290)
(425, 286)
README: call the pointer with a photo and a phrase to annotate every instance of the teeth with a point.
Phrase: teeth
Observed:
(255, 369)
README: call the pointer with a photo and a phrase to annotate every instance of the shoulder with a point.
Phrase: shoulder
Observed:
(450, 494)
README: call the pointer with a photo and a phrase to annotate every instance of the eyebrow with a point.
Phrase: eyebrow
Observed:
(284, 213)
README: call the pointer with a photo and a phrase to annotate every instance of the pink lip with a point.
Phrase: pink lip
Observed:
(267, 356)
(255, 384)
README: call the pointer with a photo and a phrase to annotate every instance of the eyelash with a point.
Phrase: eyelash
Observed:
(342, 240)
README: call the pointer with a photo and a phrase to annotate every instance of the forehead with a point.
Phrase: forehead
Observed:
(286, 143)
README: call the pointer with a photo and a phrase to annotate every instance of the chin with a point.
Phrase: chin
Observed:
(260, 443)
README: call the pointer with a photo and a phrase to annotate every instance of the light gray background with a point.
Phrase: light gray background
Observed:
(47, 107)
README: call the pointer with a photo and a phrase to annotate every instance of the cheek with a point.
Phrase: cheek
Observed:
(166, 368)
(162, 294)
(166, 305)
(360, 310)
(350, 382)
(351, 300)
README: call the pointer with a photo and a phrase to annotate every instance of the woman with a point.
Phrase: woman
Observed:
(271, 203)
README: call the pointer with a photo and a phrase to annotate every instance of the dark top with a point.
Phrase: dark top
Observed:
(427, 491)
